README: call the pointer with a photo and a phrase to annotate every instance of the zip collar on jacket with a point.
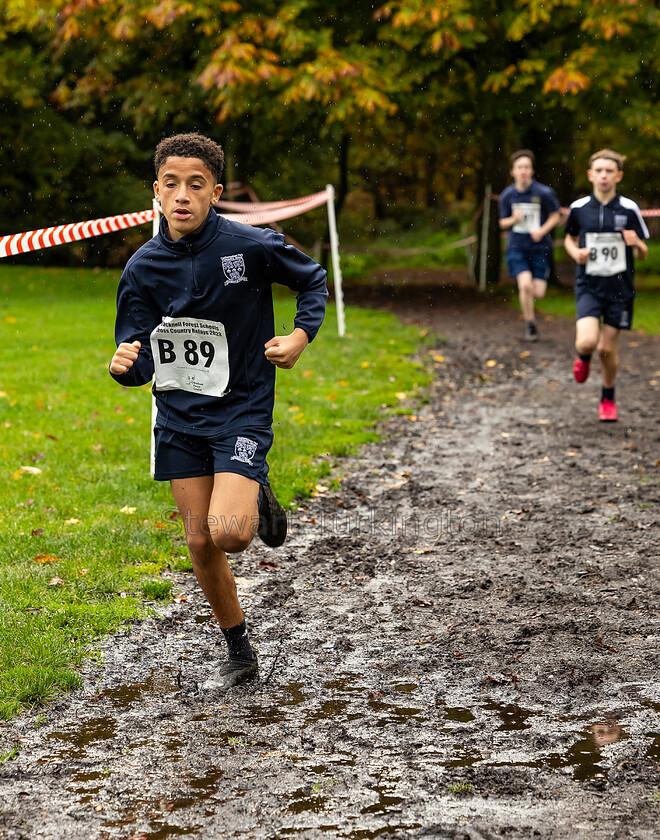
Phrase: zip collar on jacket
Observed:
(192, 242)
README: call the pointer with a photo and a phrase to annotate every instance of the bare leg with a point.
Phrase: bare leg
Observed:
(539, 288)
(586, 335)
(607, 350)
(202, 502)
(526, 294)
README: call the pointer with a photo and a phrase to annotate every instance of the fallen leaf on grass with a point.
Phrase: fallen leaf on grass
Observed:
(30, 470)
(37, 532)
(72, 521)
(56, 581)
(127, 509)
(46, 558)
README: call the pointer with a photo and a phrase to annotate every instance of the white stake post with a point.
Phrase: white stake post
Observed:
(154, 409)
(484, 238)
(336, 268)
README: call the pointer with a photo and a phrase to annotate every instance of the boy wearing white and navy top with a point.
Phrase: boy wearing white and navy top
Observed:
(529, 210)
(604, 232)
(195, 312)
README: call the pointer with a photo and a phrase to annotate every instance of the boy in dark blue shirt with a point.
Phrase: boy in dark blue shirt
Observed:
(529, 210)
(195, 312)
(603, 233)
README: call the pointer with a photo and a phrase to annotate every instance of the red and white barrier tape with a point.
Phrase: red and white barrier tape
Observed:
(33, 240)
(251, 214)
(286, 210)
(248, 207)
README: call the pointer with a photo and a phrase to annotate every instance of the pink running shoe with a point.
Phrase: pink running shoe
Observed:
(607, 411)
(581, 369)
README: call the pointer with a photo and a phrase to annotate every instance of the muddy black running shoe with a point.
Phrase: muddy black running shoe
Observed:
(272, 518)
(235, 671)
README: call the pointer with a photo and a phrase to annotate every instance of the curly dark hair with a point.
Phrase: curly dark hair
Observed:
(191, 145)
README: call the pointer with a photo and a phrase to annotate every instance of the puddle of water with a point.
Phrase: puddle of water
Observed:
(297, 694)
(584, 757)
(157, 683)
(653, 752)
(464, 758)
(77, 741)
(207, 783)
(365, 834)
(406, 688)
(349, 684)
(329, 709)
(387, 802)
(265, 715)
(165, 830)
(513, 717)
(459, 715)
(389, 713)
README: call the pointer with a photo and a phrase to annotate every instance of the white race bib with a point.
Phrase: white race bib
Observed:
(531, 219)
(191, 355)
(607, 254)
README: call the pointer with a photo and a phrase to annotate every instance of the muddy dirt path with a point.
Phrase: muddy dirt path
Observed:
(461, 643)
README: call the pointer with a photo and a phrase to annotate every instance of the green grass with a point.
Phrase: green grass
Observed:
(85, 533)
(425, 248)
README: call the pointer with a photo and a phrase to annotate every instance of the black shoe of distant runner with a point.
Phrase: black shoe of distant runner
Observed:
(235, 671)
(531, 333)
(272, 518)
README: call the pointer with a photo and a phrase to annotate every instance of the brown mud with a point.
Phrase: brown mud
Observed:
(460, 643)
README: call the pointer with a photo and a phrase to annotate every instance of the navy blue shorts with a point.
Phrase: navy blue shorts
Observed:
(179, 455)
(518, 261)
(616, 312)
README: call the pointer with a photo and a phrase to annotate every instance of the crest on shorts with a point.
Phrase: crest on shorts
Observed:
(624, 321)
(233, 267)
(244, 450)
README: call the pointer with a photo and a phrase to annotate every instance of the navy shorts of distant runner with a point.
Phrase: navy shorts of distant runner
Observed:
(604, 287)
(202, 309)
(535, 203)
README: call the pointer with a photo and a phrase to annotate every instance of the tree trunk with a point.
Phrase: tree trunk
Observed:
(493, 172)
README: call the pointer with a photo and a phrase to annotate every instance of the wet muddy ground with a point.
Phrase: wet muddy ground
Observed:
(460, 643)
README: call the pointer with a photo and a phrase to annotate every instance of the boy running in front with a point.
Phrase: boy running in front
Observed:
(604, 232)
(195, 311)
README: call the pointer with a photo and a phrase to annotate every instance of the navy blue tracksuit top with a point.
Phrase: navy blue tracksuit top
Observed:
(202, 309)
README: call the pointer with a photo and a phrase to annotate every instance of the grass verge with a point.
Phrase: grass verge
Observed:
(85, 534)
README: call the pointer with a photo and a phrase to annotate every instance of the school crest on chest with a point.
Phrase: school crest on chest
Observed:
(233, 267)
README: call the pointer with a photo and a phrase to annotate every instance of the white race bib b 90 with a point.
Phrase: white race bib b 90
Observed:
(531, 219)
(191, 355)
(607, 254)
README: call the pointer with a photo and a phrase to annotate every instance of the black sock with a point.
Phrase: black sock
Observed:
(584, 357)
(238, 643)
(607, 394)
